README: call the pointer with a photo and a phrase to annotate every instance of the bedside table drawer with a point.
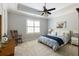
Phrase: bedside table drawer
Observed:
(0, 51)
(6, 51)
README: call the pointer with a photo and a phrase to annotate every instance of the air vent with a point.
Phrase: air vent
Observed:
(25, 8)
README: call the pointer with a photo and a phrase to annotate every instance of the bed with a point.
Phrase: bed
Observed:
(56, 39)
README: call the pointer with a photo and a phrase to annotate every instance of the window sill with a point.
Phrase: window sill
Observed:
(32, 33)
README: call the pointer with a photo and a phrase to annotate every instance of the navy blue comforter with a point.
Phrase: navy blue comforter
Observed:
(59, 40)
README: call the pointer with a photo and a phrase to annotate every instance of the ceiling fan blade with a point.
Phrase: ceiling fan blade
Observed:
(51, 9)
(48, 12)
(42, 14)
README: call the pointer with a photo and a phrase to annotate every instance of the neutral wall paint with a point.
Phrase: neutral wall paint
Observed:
(68, 14)
(18, 22)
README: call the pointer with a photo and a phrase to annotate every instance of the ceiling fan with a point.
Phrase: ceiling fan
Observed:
(46, 11)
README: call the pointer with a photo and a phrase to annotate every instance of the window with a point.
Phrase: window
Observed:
(33, 26)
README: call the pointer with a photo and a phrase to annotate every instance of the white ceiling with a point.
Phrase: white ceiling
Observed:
(39, 6)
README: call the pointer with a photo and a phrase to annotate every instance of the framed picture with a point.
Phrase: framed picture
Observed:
(61, 24)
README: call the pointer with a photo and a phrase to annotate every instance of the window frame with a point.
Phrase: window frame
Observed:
(32, 27)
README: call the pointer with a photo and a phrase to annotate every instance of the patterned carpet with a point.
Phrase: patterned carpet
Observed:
(34, 48)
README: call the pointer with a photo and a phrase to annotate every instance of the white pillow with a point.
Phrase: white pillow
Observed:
(53, 33)
(62, 32)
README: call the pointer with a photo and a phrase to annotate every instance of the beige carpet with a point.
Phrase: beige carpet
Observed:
(34, 48)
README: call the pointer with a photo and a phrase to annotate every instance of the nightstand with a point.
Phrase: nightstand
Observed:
(74, 41)
(8, 50)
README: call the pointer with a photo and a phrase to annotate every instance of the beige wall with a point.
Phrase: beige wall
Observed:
(68, 14)
(18, 22)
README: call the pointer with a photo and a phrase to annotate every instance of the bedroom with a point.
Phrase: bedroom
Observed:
(23, 17)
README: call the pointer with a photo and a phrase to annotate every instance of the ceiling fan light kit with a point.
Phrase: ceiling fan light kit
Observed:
(44, 14)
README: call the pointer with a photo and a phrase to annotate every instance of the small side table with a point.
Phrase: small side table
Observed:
(9, 49)
(74, 41)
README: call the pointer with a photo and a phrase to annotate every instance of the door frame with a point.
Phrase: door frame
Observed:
(0, 27)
